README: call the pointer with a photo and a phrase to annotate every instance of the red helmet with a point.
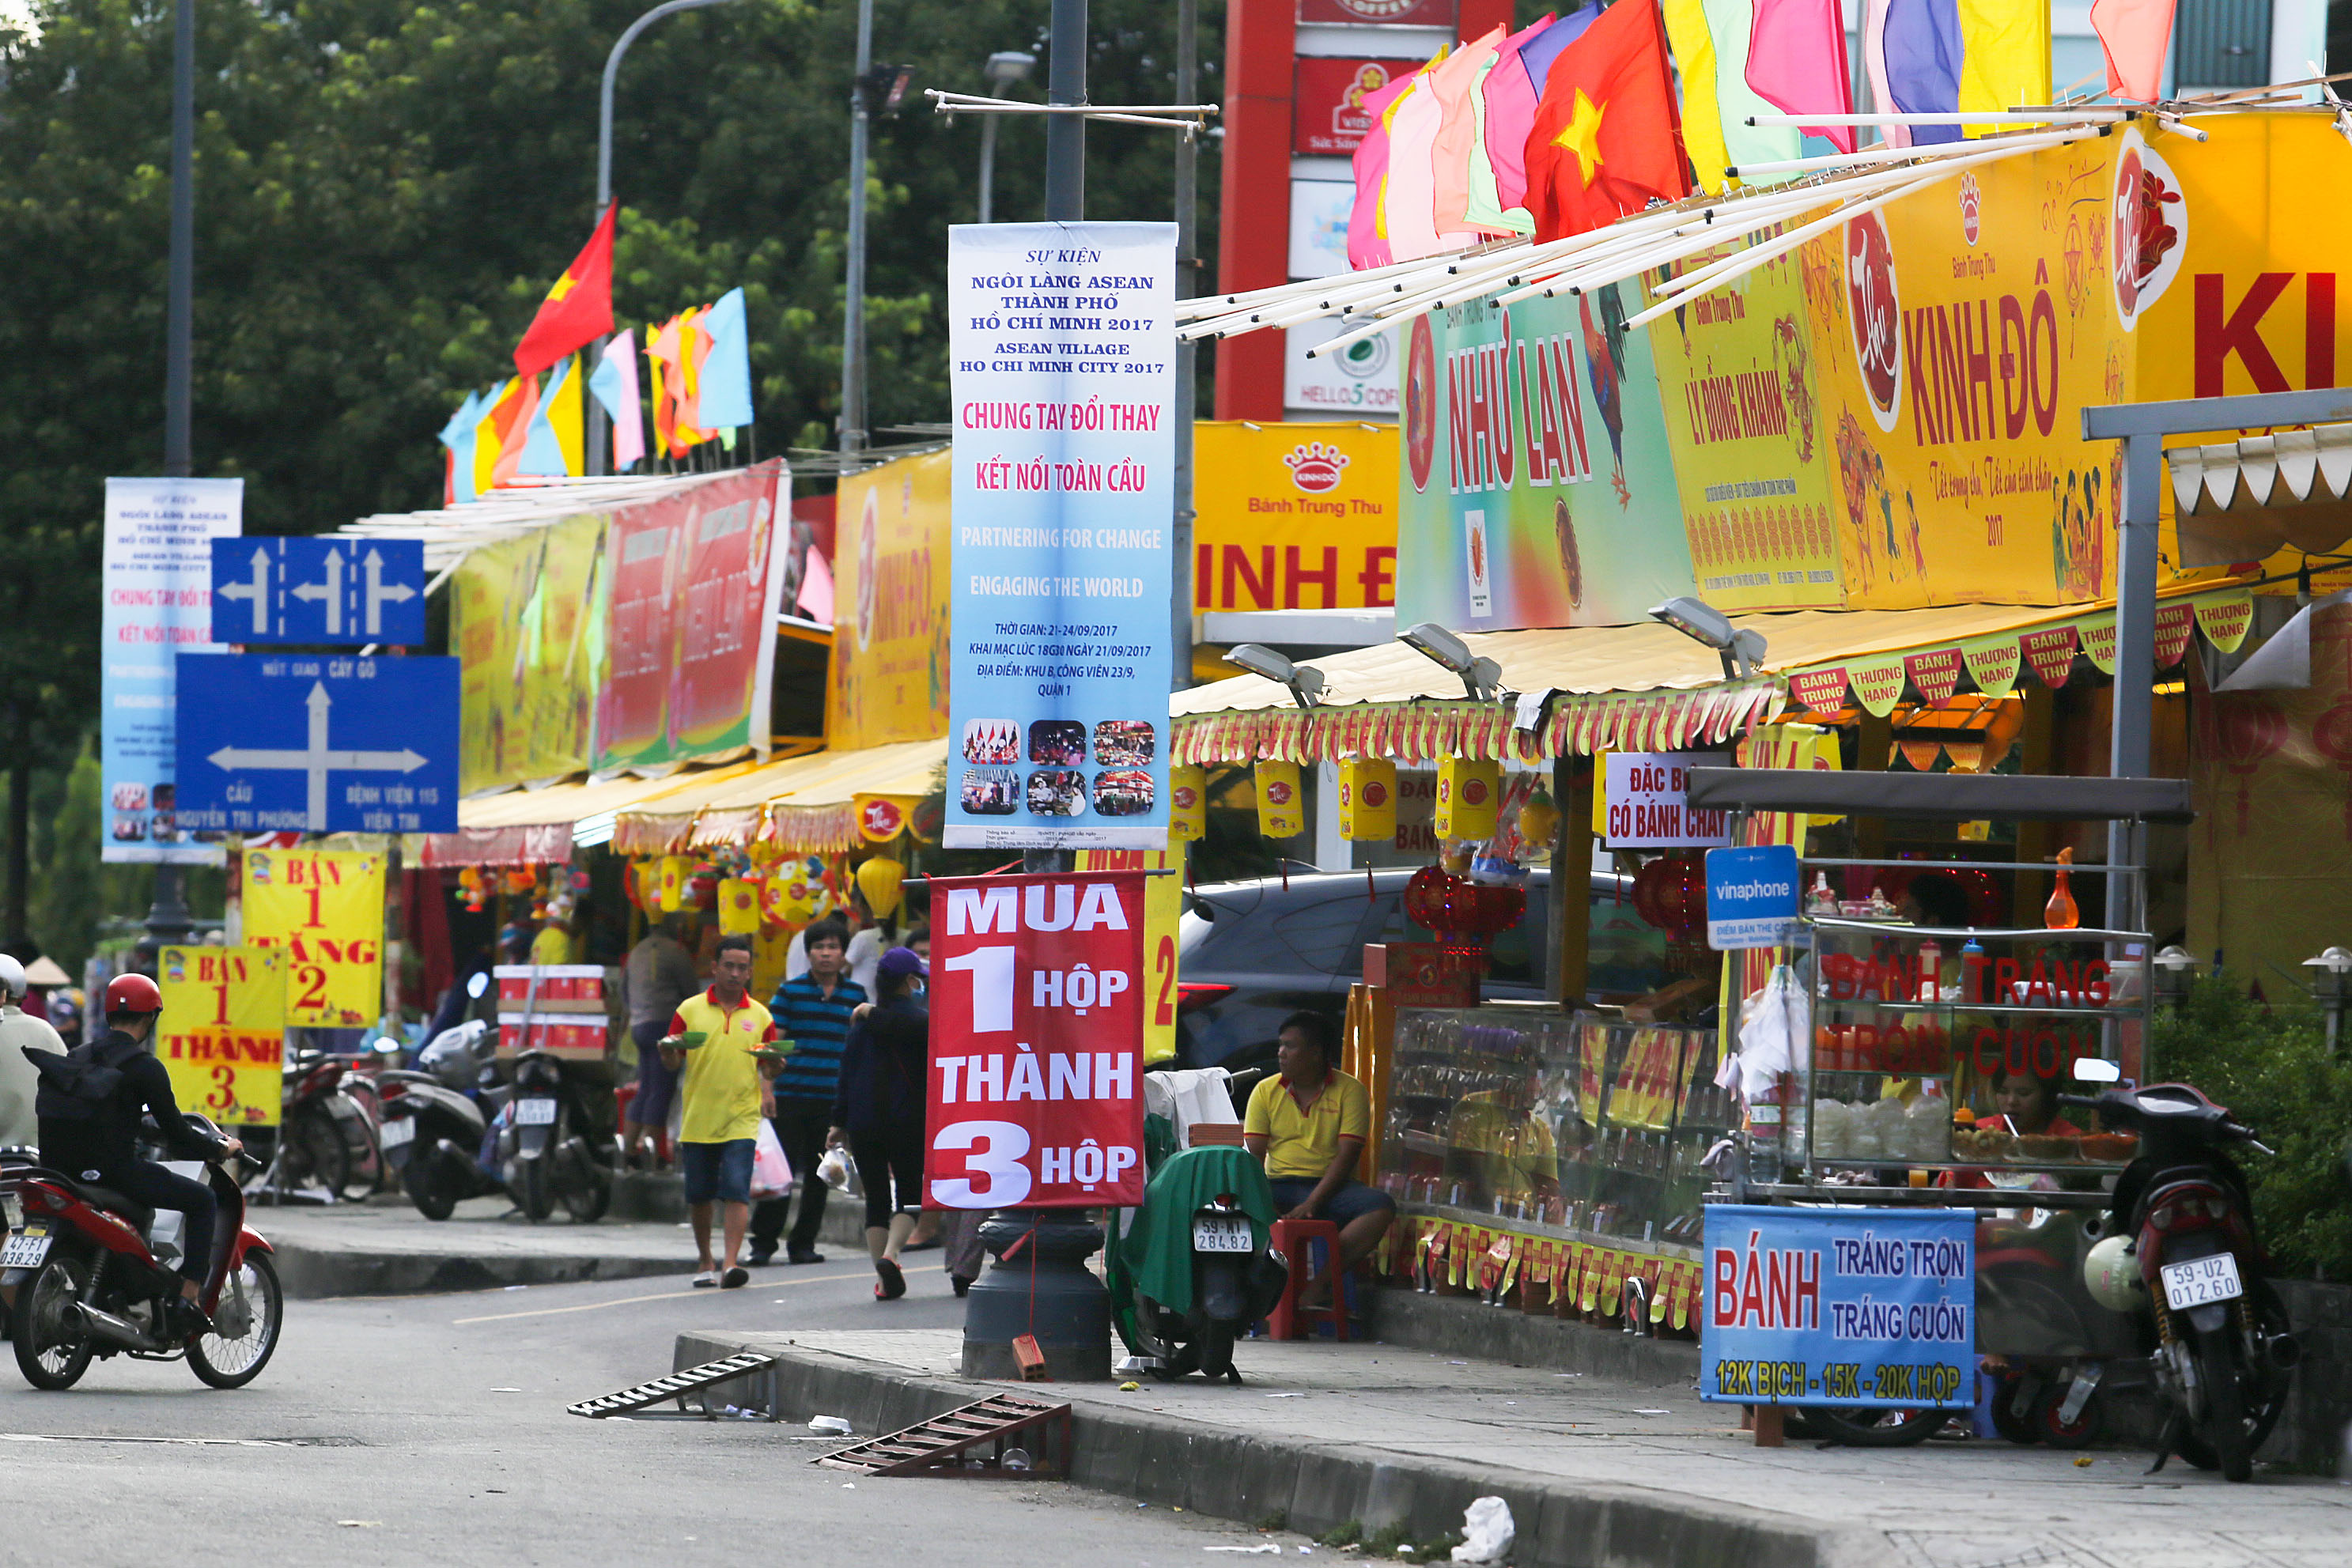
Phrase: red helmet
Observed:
(132, 994)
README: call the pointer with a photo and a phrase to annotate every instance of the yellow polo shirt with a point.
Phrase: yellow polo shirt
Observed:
(721, 1080)
(1305, 1138)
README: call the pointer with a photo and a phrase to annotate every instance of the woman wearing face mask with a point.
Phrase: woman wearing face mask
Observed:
(878, 1111)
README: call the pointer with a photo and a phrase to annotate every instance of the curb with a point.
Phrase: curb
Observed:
(309, 1273)
(1316, 1487)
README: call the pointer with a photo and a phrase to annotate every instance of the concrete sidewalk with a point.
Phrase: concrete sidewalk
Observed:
(379, 1248)
(1597, 1469)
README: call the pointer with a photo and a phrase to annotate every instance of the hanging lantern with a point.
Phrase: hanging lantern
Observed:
(739, 906)
(520, 881)
(1188, 803)
(1538, 824)
(1467, 792)
(797, 892)
(1368, 792)
(471, 879)
(1281, 807)
(878, 878)
(674, 871)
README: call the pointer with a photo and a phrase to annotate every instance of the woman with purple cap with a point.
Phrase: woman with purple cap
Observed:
(878, 1110)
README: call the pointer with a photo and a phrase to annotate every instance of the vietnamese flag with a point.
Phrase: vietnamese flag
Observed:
(1606, 137)
(578, 311)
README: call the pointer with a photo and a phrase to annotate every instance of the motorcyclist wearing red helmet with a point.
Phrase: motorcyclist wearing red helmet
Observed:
(102, 1148)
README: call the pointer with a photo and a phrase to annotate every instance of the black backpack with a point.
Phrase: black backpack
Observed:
(80, 1084)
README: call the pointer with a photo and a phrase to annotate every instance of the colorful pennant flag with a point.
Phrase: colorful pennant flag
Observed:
(2134, 34)
(1510, 98)
(500, 413)
(615, 386)
(1728, 23)
(524, 405)
(1409, 195)
(1796, 60)
(1368, 234)
(1455, 85)
(2004, 56)
(578, 309)
(726, 379)
(1919, 41)
(1606, 137)
(551, 447)
(1693, 47)
(1873, 65)
(457, 435)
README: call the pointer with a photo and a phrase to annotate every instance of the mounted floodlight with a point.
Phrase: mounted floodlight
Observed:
(1305, 681)
(1482, 678)
(1008, 66)
(1741, 651)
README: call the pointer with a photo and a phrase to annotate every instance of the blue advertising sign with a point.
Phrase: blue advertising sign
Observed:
(318, 743)
(318, 590)
(1751, 896)
(1062, 354)
(1839, 1306)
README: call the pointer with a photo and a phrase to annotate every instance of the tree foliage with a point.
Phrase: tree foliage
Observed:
(385, 190)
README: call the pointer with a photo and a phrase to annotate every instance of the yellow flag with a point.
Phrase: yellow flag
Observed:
(2004, 56)
(1693, 48)
(564, 416)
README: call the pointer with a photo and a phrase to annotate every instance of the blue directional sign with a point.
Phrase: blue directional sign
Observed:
(1751, 896)
(318, 590)
(317, 742)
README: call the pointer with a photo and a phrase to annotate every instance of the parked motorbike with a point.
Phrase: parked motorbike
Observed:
(457, 1132)
(2180, 1250)
(1235, 1282)
(434, 1124)
(91, 1273)
(550, 1149)
(324, 1139)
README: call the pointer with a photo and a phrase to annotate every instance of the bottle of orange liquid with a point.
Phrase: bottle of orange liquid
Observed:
(2060, 914)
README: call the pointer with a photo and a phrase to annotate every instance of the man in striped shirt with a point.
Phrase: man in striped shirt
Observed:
(812, 1012)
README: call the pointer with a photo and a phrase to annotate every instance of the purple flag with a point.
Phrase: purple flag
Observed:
(1539, 52)
(1922, 49)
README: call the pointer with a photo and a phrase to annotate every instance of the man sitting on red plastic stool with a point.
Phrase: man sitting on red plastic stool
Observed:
(1309, 1125)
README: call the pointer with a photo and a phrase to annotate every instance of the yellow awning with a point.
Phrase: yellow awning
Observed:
(576, 801)
(804, 803)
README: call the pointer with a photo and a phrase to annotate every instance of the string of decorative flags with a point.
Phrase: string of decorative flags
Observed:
(701, 362)
(1570, 156)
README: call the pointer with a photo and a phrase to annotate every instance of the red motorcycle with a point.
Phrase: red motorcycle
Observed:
(89, 1272)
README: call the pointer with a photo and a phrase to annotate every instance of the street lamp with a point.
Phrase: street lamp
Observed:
(1482, 678)
(1740, 650)
(1003, 68)
(604, 177)
(1305, 681)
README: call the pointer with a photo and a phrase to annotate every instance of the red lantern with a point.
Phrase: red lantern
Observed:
(1425, 897)
(1671, 893)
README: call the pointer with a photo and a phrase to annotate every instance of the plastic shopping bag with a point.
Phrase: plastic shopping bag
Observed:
(771, 1173)
(1772, 1034)
(837, 1173)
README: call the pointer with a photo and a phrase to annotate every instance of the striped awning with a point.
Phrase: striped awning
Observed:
(2243, 500)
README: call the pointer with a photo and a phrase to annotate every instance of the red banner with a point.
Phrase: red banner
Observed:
(1035, 1096)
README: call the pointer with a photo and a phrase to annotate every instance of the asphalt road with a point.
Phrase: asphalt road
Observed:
(431, 1429)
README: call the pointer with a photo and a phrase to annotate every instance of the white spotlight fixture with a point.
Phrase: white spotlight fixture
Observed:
(1740, 650)
(1305, 681)
(1482, 678)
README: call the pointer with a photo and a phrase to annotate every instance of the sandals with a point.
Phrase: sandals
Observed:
(707, 1280)
(892, 1283)
(735, 1279)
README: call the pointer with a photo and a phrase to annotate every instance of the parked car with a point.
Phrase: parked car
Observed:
(1253, 953)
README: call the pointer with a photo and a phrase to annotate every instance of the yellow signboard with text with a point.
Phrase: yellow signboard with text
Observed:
(323, 909)
(527, 625)
(1294, 516)
(891, 541)
(222, 1034)
(1163, 907)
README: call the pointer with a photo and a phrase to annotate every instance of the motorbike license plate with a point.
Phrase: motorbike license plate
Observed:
(1221, 1233)
(534, 1113)
(27, 1248)
(2201, 1280)
(397, 1130)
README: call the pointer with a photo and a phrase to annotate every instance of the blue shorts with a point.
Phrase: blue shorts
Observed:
(716, 1173)
(656, 1084)
(1352, 1201)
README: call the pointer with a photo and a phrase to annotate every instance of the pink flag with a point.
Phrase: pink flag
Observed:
(1873, 64)
(1409, 194)
(1456, 82)
(614, 384)
(1796, 59)
(1368, 238)
(2134, 33)
(816, 588)
(1511, 100)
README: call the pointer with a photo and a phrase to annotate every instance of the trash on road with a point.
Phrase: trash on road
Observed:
(830, 1426)
(1260, 1550)
(1487, 1532)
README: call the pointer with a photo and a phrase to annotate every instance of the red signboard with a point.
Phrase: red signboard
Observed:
(1326, 101)
(1418, 12)
(1036, 1098)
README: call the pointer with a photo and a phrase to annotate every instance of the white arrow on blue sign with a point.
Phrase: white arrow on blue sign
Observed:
(310, 591)
(317, 742)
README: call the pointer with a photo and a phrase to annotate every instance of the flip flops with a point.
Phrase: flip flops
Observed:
(707, 1280)
(735, 1279)
(892, 1284)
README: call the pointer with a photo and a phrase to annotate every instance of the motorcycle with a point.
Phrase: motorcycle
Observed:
(92, 1274)
(457, 1132)
(1234, 1281)
(325, 1139)
(550, 1149)
(433, 1125)
(2180, 1250)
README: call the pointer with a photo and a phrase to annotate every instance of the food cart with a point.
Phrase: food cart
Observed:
(1897, 1034)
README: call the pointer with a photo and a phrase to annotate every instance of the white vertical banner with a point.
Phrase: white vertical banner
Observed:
(157, 578)
(1061, 350)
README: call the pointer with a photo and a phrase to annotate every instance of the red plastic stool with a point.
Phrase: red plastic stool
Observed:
(1288, 1320)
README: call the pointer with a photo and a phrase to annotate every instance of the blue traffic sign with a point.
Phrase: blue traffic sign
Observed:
(317, 742)
(325, 589)
(1751, 896)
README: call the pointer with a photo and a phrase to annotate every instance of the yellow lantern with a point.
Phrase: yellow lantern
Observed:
(1281, 805)
(677, 871)
(1188, 803)
(798, 893)
(1367, 791)
(878, 880)
(739, 906)
(1467, 792)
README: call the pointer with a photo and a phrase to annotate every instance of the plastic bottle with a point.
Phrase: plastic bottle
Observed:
(1972, 963)
(1931, 969)
(2060, 914)
(1927, 1125)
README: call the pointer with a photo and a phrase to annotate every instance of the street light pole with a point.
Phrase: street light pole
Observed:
(597, 421)
(1066, 135)
(853, 313)
(167, 917)
(1003, 68)
(1188, 86)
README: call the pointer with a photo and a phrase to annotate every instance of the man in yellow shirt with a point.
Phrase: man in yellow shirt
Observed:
(726, 1093)
(1309, 1125)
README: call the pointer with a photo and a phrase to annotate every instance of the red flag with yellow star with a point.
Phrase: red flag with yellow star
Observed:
(578, 311)
(1606, 136)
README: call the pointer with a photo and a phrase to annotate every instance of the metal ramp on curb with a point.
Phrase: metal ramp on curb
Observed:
(945, 1445)
(676, 1386)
